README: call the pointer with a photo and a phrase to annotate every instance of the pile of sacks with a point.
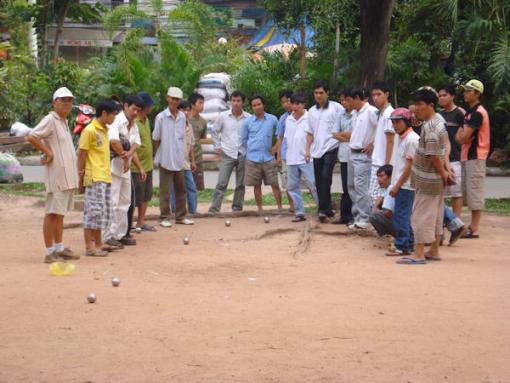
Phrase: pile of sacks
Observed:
(215, 87)
(10, 169)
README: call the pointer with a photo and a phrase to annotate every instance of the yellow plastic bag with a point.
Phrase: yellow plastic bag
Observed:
(62, 269)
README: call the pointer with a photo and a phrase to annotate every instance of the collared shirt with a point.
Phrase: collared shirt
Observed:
(295, 136)
(257, 137)
(433, 141)
(478, 147)
(120, 127)
(144, 151)
(323, 122)
(406, 150)
(94, 139)
(344, 125)
(364, 125)
(384, 126)
(226, 134)
(280, 133)
(61, 173)
(170, 131)
(199, 126)
(454, 121)
(189, 142)
(388, 201)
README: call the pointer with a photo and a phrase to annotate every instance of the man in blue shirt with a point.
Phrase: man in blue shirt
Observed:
(257, 137)
(285, 96)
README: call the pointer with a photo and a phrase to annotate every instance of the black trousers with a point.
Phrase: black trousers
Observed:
(323, 169)
(345, 201)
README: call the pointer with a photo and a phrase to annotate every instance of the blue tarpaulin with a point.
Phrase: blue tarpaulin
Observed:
(270, 35)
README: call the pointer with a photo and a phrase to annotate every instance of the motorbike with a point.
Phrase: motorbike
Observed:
(85, 116)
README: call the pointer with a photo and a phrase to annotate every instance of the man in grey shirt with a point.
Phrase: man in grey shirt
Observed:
(226, 137)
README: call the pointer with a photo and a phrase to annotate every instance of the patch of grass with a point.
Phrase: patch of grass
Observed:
(500, 206)
(28, 189)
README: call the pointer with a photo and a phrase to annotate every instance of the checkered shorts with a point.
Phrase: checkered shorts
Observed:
(97, 212)
(374, 189)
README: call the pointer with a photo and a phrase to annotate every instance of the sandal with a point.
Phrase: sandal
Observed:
(469, 234)
(96, 253)
(299, 218)
(109, 248)
(411, 261)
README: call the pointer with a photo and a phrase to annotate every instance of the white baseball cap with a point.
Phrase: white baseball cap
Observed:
(62, 92)
(174, 92)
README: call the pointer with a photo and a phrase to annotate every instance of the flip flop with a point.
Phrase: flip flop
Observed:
(431, 258)
(469, 234)
(411, 261)
(96, 253)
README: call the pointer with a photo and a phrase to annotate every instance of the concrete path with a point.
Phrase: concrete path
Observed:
(495, 187)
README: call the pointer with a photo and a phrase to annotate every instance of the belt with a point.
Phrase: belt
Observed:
(356, 150)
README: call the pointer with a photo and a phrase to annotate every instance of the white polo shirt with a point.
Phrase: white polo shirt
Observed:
(364, 125)
(384, 126)
(226, 133)
(170, 131)
(115, 130)
(322, 123)
(295, 135)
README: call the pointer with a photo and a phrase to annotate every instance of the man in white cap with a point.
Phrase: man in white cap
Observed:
(168, 136)
(52, 137)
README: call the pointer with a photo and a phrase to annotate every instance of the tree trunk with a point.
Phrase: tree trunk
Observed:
(375, 28)
(60, 27)
(302, 53)
(337, 51)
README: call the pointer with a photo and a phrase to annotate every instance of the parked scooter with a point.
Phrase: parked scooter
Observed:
(84, 117)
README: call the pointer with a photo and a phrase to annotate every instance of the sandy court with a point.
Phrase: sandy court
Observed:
(256, 302)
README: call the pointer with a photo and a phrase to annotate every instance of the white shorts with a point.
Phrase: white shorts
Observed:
(455, 191)
(60, 202)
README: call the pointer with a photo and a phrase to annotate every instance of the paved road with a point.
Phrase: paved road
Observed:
(495, 187)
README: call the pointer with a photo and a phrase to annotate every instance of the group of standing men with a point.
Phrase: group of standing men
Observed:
(393, 176)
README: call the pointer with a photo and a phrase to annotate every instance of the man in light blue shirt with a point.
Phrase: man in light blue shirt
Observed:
(257, 137)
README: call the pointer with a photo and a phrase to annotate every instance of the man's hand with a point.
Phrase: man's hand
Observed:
(445, 177)
(143, 176)
(125, 164)
(368, 149)
(394, 190)
(193, 167)
(46, 158)
(81, 188)
(307, 157)
(279, 162)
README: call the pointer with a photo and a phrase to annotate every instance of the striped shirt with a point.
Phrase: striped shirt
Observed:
(433, 141)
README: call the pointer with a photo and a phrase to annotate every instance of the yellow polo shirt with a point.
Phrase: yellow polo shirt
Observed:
(94, 139)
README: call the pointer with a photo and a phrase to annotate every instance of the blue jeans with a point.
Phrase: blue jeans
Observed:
(191, 193)
(294, 173)
(404, 237)
(451, 221)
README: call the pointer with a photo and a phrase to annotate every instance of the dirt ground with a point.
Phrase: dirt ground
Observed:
(256, 302)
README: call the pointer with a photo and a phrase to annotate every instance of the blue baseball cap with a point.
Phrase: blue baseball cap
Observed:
(147, 99)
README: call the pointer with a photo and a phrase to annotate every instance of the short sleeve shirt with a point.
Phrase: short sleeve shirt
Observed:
(189, 142)
(478, 148)
(364, 125)
(323, 122)
(388, 201)
(454, 120)
(295, 135)
(170, 131)
(119, 128)
(344, 125)
(144, 151)
(280, 134)
(433, 141)
(406, 150)
(61, 173)
(257, 136)
(384, 126)
(199, 126)
(94, 139)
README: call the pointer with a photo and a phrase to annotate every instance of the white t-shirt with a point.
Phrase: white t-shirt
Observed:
(364, 124)
(295, 135)
(117, 128)
(384, 126)
(388, 201)
(170, 131)
(322, 123)
(406, 149)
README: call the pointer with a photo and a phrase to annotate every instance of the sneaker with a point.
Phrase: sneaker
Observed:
(67, 254)
(362, 225)
(53, 257)
(114, 243)
(397, 253)
(128, 241)
(322, 217)
(165, 223)
(456, 234)
(234, 208)
(185, 221)
(352, 226)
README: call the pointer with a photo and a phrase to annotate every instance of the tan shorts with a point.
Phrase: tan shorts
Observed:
(60, 202)
(256, 172)
(455, 191)
(427, 218)
(283, 175)
(473, 184)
